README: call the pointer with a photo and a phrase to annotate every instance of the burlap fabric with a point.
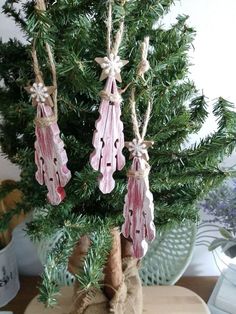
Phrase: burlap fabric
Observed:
(128, 298)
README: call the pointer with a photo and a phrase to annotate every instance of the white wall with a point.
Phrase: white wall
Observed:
(8, 29)
(213, 56)
(214, 64)
(213, 71)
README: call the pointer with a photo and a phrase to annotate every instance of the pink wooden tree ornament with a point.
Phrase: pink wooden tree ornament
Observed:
(50, 155)
(139, 207)
(108, 138)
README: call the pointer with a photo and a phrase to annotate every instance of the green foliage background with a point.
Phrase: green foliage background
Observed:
(76, 31)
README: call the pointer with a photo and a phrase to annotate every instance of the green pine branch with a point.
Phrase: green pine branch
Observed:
(226, 117)
(92, 270)
(198, 111)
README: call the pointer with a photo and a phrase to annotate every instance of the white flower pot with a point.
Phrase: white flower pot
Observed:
(9, 279)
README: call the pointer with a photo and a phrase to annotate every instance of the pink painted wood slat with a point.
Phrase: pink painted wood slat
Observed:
(139, 208)
(108, 139)
(50, 157)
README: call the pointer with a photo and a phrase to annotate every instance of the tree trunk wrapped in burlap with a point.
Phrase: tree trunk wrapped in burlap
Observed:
(121, 291)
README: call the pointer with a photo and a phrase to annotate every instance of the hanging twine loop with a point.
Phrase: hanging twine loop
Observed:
(109, 27)
(139, 145)
(118, 39)
(113, 48)
(143, 67)
(134, 117)
(52, 102)
(112, 62)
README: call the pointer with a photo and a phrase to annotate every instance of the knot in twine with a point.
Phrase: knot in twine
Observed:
(144, 65)
(45, 122)
(139, 174)
(111, 97)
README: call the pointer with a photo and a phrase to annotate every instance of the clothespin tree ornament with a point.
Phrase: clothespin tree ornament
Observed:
(50, 155)
(108, 139)
(139, 207)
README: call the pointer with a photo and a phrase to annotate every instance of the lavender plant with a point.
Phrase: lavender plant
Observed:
(221, 205)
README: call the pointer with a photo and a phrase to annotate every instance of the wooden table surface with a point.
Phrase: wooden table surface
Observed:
(172, 300)
(203, 286)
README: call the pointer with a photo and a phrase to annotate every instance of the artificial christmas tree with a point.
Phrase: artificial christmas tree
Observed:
(87, 218)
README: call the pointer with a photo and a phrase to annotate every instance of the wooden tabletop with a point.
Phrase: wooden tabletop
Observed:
(172, 300)
(157, 299)
(203, 286)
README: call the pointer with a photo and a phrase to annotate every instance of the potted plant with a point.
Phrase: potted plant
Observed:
(9, 280)
(220, 203)
(227, 243)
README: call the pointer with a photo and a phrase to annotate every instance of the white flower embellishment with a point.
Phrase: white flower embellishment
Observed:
(137, 148)
(39, 92)
(111, 66)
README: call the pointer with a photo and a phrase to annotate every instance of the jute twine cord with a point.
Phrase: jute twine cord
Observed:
(118, 38)
(146, 119)
(37, 72)
(54, 76)
(119, 34)
(114, 49)
(109, 27)
(43, 122)
(111, 97)
(138, 174)
(134, 115)
(143, 67)
(135, 118)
